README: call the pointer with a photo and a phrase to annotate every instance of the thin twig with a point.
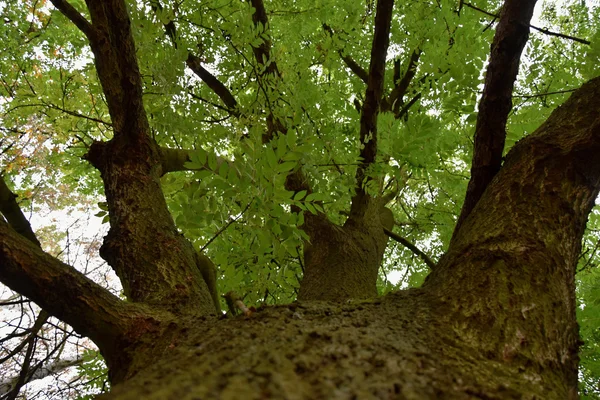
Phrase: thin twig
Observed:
(231, 221)
(411, 247)
(531, 96)
(543, 30)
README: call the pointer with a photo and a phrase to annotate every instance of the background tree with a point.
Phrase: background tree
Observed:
(273, 149)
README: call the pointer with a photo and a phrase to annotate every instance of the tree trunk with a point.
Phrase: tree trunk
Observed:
(342, 262)
(494, 320)
(400, 346)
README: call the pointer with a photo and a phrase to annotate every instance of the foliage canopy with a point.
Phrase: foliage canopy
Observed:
(232, 201)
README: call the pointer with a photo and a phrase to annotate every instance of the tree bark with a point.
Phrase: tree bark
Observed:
(342, 262)
(495, 319)
(496, 102)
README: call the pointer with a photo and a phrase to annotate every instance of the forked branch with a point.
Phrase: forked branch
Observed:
(58, 288)
(495, 105)
(74, 16)
(349, 61)
(395, 99)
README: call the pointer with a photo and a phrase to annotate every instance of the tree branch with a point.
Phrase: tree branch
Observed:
(394, 100)
(262, 53)
(74, 16)
(532, 96)
(57, 288)
(543, 30)
(60, 289)
(14, 215)
(401, 113)
(26, 373)
(116, 63)
(495, 105)
(349, 61)
(354, 67)
(373, 97)
(195, 64)
(411, 247)
(561, 35)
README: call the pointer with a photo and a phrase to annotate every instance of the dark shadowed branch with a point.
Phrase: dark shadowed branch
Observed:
(61, 290)
(411, 247)
(496, 102)
(402, 112)
(14, 215)
(262, 52)
(395, 99)
(543, 30)
(373, 97)
(56, 287)
(195, 64)
(349, 61)
(74, 16)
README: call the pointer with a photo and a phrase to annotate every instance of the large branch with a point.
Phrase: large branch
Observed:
(116, 63)
(60, 289)
(14, 215)
(495, 105)
(156, 264)
(516, 255)
(373, 97)
(195, 64)
(72, 14)
(16, 219)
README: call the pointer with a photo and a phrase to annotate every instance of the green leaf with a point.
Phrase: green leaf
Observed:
(315, 197)
(310, 207)
(285, 166)
(300, 195)
(224, 170)
(271, 157)
(212, 161)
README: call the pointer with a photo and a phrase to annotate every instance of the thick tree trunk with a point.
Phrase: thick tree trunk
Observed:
(401, 346)
(494, 320)
(342, 262)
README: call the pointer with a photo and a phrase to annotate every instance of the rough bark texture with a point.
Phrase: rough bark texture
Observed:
(494, 320)
(398, 347)
(496, 102)
(155, 263)
(508, 277)
(342, 262)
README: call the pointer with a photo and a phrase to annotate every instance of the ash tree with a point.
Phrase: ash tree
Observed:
(280, 160)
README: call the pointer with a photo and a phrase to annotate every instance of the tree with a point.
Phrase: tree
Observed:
(214, 147)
